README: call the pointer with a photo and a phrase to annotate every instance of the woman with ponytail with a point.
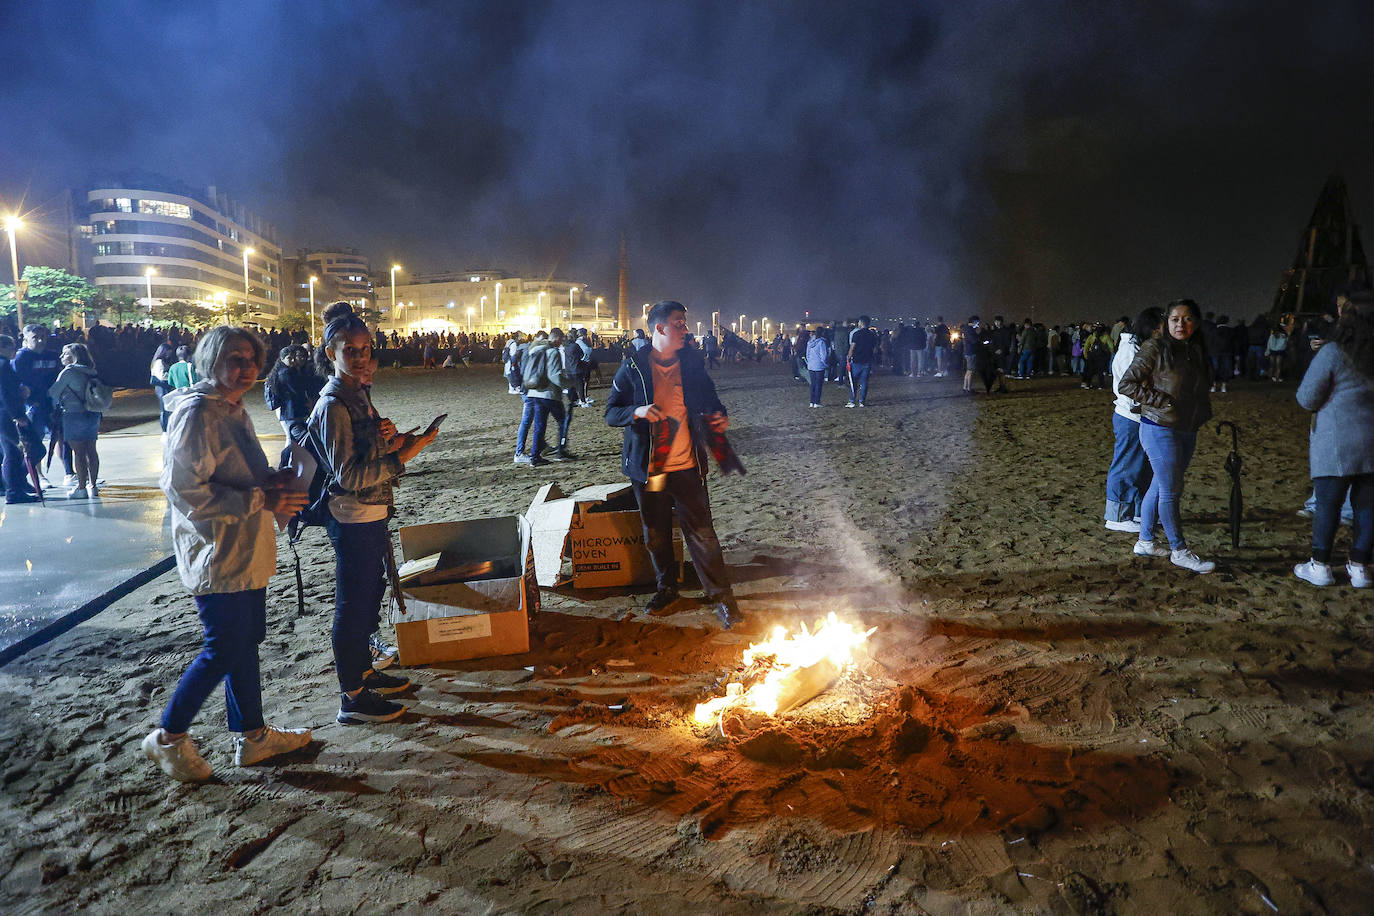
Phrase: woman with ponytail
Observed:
(363, 455)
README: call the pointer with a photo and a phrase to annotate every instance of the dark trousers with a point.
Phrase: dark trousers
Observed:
(359, 570)
(542, 408)
(1326, 518)
(12, 466)
(235, 623)
(685, 491)
(817, 384)
(38, 415)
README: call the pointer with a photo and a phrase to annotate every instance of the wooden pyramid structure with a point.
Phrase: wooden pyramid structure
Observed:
(1330, 256)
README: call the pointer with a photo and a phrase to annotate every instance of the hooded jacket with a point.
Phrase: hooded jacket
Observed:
(213, 472)
(553, 369)
(1170, 379)
(633, 387)
(69, 391)
(344, 427)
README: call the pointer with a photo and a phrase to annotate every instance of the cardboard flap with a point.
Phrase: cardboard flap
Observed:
(549, 517)
(460, 599)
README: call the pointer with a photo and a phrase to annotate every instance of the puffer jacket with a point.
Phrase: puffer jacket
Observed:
(213, 472)
(1170, 379)
(344, 428)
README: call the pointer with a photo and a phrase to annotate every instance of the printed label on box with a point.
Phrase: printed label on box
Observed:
(451, 629)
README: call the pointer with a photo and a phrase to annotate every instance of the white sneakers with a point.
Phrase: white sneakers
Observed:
(1149, 549)
(1129, 525)
(1319, 574)
(179, 760)
(1189, 560)
(272, 741)
(76, 493)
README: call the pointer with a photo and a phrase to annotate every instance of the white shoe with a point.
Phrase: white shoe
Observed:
(1359, 574)
(1124, 525)
(272, 742)
(1189, 560)
(77, 493)
(1318, 574)
(850, 404)
(1149, 549)
(69, 480)
(179, 760)
(95, 491)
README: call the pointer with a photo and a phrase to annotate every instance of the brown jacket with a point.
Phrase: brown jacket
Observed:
(1170, 379)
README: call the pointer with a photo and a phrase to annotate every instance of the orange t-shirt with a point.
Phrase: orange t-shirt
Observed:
(668, 397)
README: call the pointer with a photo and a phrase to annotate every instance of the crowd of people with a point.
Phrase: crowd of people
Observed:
(1164, 367)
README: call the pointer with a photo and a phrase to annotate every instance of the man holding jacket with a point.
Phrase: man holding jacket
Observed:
(663, 398)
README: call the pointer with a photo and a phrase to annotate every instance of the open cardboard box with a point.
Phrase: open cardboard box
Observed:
(488, 614)
(599, 530)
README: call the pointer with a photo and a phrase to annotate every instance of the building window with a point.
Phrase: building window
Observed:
(164, 208)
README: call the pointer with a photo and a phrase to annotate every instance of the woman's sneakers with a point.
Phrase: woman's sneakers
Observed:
(179, 759)
(383, 654)
(1189, 560)
(1319, 574)
(367, 706)
(384, 683)
(270, 743)
(1150, 549)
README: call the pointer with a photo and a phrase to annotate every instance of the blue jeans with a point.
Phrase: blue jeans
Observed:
(858, 381)
(235, 623)
(542, 408)
(359, 570)
(1027, 364)
(1129, 475)
(939, 359)
(1170, 451)
(526, 421)
(817, 384)
(1358, 493)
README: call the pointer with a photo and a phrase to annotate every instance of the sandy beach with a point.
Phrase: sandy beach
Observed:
(1042, 722)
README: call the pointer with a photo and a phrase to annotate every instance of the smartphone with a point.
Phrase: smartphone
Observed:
(434, 424)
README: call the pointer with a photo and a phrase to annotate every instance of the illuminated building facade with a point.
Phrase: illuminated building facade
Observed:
(348, 272)
(449, 301)
(189, 245)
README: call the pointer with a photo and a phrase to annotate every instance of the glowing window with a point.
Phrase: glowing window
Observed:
(164, 208)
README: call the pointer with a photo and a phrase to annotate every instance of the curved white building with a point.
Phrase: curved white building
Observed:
(194, 243)
(348, 270)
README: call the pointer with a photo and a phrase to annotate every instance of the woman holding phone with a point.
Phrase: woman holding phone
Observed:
(363, 455)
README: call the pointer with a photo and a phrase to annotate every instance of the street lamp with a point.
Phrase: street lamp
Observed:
(148, 278)
(742, 324)
(313, 280)
(715, 322)
(470, 311)
(13, 223)
(246, 253)
(483, 305)
(572, 290)
(539, 308)
(596, 309)
(394, 304)
(698, 329)
(498, 302)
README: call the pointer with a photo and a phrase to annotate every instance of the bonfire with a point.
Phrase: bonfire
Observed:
(787, 670)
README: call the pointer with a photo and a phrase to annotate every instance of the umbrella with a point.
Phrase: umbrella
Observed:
(25, 447)
(1233, 464)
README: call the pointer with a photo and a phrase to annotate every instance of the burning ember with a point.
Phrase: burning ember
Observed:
(787, 670)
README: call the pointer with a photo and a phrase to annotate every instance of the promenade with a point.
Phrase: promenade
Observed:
(74, 555)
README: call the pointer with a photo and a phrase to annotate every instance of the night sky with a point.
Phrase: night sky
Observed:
(1056, 159)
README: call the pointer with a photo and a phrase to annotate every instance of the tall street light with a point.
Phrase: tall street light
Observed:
(742, 324)
(313, 280)
(470, 311)
(498, 302)
(148, 278)
(715, 323)
(13, 223)
(572, 290)
(596, 313)
(539, 309)
(483, 316)
(246, 253)
(394, 306)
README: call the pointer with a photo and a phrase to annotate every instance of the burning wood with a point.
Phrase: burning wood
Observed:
(787, 671)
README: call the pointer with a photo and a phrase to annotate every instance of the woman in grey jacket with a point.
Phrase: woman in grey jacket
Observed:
(363, 455)
(222, 496)
(1339, 387)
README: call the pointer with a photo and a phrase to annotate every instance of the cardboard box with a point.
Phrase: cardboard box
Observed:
(488, 614)
(598, 529)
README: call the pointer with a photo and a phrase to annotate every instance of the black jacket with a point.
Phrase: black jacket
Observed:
(634, 387)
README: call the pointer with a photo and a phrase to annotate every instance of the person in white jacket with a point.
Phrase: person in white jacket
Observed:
(1129, 475)
(223, 497)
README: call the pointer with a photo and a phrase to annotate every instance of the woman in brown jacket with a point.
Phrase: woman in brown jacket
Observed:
(1169, 380)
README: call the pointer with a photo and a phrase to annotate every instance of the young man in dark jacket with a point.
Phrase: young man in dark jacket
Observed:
(662, 391)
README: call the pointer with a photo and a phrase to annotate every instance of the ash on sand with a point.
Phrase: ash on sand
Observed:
(1048, 724)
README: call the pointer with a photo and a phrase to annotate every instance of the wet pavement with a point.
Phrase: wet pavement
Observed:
(58, 558)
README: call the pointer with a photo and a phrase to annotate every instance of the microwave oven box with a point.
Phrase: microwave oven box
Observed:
(597, 532)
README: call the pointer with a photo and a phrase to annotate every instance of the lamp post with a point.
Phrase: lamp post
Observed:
(539, 309)
(313, 280)
(483, 305)
(596, 310)
(246, 253)
(148, 278)
(698, 329)
(470, 311)
(394, 304)
(715, 323)
(498, 302)
(13, 223)
(742, 324)
(572, 291)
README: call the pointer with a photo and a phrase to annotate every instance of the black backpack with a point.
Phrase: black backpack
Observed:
(534, 369)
